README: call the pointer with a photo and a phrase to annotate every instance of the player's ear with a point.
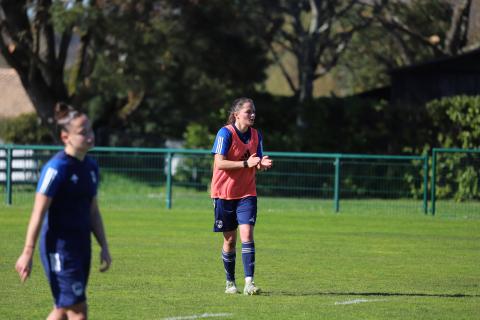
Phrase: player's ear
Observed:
(64, 136)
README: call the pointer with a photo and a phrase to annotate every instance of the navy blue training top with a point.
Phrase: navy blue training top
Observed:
(71, 184)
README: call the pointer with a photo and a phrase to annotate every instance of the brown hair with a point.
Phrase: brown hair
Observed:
(64, 114)
(236, 106)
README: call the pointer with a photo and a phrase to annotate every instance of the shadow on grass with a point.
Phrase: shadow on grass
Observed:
(376, 294)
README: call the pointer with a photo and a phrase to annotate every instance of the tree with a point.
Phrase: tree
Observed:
(219, 51)
(36, 37)
(404, 33)
(315, 33)
(28, 44)
(142, 69)
(449, 41)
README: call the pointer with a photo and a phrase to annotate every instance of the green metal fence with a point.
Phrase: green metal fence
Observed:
(181, 177)
(455, 181)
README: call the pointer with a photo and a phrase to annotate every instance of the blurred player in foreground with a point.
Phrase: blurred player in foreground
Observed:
(66, 211)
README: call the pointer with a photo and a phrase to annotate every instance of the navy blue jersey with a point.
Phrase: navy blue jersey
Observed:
(71, 184)
(223, 141)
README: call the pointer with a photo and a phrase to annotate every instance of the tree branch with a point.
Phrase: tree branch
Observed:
(390, 23)
(283, 69)
(63, 48)
(456, 34)
(46, 31)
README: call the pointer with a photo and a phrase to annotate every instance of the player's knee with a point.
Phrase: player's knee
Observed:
(77, 316)
(77, 312)
(57, 314)
(230, 244)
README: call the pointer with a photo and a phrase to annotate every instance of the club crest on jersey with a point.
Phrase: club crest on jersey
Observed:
(74, 178)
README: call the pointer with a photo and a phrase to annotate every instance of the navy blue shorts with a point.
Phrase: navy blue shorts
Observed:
(230, 213)
(67, 273)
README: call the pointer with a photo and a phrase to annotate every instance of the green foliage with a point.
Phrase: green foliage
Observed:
(346, 125)
(197, 136)
(149, 68)
(66, 14)
(468, 184)
(143, 70)
(158, 68)
(25, 129)
(195, 171)
(458, 176)
(456, 121)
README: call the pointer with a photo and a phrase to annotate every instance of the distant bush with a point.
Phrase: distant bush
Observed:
(456, 121)
(195, 170)
(24, 129)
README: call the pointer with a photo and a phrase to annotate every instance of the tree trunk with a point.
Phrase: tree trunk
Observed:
(305, 80)
(306, 77)
(42, 99)
(473, 33)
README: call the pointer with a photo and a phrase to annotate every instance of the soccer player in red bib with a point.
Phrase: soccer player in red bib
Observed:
(238, 154)
(66, 211)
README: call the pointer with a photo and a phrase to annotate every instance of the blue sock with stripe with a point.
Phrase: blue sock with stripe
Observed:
(248, 258)
(229, 264)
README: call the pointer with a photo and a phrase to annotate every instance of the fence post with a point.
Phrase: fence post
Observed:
(8, 176)
(425, 184)
(434, 179)
(336, 191)
(169, 180)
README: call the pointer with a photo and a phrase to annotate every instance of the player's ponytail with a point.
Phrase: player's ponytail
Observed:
(236, 106)
(64, 114)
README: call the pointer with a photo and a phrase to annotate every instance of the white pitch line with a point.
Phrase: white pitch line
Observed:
(200, 316)
(356, 301)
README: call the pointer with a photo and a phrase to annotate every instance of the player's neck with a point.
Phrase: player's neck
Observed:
(241, 128)
(75, 153)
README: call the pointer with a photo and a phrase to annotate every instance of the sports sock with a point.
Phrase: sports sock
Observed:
(248, 258)
(229, 264)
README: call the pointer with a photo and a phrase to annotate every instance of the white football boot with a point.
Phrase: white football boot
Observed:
(251, 289)
(231, 287)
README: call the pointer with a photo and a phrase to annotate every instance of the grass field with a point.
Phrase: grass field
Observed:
(311, 264)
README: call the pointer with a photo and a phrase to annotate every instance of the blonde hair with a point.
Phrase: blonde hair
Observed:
(237, 106)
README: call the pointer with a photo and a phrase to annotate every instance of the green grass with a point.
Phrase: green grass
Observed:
(311, 264)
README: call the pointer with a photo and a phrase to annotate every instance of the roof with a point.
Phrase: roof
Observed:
(467, 62)
(15, 100)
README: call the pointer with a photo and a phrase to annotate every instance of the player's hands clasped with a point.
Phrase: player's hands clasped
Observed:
(253, 160)
(265, 163)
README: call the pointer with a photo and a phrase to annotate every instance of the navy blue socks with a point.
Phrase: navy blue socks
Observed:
(229, 264)
(248, 258)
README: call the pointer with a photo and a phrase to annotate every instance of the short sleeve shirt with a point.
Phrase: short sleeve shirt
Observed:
(223, 141)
